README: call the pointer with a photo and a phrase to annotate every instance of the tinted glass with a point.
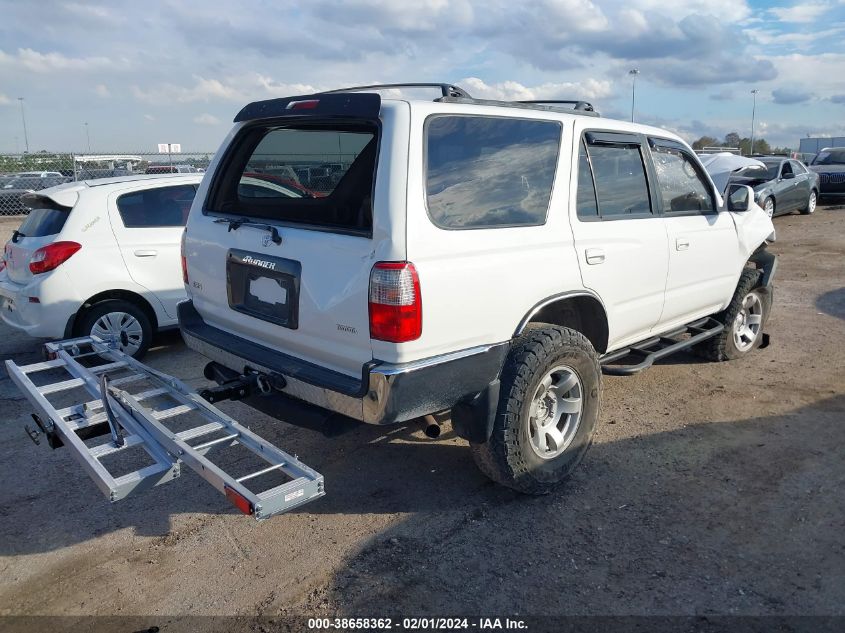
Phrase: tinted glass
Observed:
(772, 170)
(489, 172)
(681, 186)
(830, 157)
(621, 184)
(301, 163)
(787, 169)
(798, 167)
(586, 196)
(161, 206)
(43, 222)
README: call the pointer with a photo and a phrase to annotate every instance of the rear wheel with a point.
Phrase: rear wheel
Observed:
(812, 201)
(547, 412)
(769, 206)
(119, 321)
(744, 319)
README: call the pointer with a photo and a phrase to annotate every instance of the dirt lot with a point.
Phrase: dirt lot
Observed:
(711, 489)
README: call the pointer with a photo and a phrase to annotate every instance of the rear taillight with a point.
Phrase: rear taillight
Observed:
(395, 302)
(184, 259)
(51, 256)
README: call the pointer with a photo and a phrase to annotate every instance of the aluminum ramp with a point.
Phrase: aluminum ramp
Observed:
(144, 418)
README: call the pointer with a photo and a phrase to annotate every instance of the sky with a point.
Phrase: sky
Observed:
(143, 73)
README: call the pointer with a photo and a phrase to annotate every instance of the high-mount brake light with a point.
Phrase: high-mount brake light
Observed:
(306, 104)
(395, 302)
(51, 256)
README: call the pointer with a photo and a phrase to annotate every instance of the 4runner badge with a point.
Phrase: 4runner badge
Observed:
(259, 262)
(266, 240)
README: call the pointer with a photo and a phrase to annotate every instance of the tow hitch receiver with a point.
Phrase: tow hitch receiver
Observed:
(131, 406)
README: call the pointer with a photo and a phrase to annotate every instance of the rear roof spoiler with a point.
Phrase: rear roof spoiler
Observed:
(363, 105)
(60, 200)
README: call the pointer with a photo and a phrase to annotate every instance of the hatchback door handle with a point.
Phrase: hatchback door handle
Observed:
(146, 253)
(594, 256)
(681, 244)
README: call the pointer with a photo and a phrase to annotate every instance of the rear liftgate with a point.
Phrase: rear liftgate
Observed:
(130, 420)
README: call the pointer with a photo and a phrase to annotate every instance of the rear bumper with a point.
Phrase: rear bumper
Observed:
(39, 320)
(384, 394)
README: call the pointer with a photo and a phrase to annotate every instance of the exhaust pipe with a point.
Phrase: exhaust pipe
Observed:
(431, 427)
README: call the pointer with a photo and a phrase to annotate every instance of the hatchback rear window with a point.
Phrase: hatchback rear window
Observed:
(43, 222)
(486, 172)
(310, 174)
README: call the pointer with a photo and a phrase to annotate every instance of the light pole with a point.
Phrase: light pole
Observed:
(88, 136)
(23, 118)
(753, 112)
(633, 72)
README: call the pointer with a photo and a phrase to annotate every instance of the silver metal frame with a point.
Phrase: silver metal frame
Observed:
(134, 424)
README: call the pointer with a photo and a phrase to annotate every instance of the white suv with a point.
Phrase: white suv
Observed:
(484, 258)
(98, 257)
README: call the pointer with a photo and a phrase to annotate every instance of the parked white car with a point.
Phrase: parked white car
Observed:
(488, 258)
(99, 257)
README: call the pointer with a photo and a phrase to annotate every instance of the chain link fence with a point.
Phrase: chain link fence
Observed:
(25, 173)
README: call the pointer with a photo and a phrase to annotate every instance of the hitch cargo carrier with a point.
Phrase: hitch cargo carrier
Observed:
(128, 405)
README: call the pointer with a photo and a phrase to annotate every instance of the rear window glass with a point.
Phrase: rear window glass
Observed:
(485, 172)
(621, 185)
(161, 206)
(43, 222)
(317, 174)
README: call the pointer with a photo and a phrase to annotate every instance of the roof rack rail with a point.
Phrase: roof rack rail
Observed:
(576, 105)
(447, 90)
(527, 105)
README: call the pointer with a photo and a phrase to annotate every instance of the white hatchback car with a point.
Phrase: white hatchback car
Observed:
(99, 257)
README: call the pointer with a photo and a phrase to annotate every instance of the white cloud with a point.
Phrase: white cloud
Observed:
(4, 100)
(206, 119)
(101, 90)
(802, 13)
(32, 60)
(240, 89)
(589, 89)
(149, 117)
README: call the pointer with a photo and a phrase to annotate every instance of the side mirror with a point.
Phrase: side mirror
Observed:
(740, 197)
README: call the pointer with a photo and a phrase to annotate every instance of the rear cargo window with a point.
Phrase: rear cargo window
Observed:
(486, 172)
(310, 174)
(43, 222)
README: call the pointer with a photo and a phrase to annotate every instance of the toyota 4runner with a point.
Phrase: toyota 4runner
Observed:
(455, 254)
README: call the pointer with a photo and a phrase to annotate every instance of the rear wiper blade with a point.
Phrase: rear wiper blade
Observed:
(17, 234)
(235, 224)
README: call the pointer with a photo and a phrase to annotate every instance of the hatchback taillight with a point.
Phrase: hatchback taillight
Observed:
(184, 259)
(51, 256)
(395, 302)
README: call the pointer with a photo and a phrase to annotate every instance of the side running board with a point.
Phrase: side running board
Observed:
(146, 418)
(642, 355)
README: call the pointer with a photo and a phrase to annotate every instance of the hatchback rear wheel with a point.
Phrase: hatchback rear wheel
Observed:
(119, 321)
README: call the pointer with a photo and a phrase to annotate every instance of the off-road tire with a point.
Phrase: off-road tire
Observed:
(812, 203)
(507, 456)
(87, 319)
(723, 347)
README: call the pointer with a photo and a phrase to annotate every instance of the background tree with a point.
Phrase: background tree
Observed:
(732, 139)
(705, 141)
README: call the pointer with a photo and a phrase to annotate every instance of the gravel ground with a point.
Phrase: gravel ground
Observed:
(710, 489)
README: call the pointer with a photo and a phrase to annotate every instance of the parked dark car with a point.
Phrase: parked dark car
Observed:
(13, 189)
(829, 164)
(785, 186)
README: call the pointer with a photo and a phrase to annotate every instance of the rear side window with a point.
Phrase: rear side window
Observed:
(158, 207)
(44, 222)
(314, 174)
(487, 172)
(621, 185)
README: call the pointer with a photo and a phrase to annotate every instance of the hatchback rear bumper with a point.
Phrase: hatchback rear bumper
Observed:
(385, 393)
